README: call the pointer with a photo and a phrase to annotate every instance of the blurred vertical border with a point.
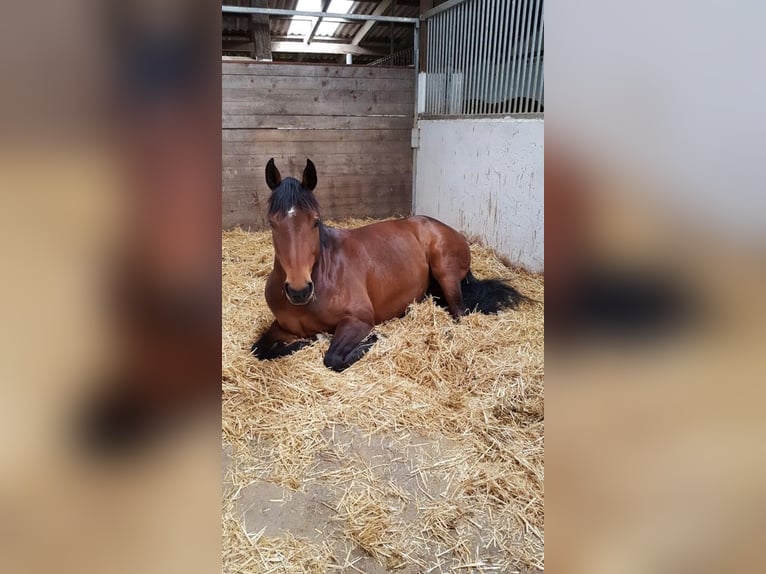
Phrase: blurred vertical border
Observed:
(110, 215)
(655, 252)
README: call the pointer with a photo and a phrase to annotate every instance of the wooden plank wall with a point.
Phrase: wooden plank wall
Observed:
(353, 122)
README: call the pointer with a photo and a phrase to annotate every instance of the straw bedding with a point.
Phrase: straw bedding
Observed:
(425, 456)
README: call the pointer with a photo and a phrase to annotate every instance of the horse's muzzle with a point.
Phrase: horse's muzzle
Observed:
(299, 297)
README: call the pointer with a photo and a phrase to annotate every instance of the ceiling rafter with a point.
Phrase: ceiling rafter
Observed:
(317, 22)
(321, 48)
(362, 40)
(367, 26)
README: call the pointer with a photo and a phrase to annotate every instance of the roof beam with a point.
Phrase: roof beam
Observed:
(382, 46)
(280, 12)
(317, 22)
(371, 44)
(332, 19)
(322, 48)
(367, 26)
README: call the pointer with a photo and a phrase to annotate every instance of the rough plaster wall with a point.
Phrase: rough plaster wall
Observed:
(485, 177)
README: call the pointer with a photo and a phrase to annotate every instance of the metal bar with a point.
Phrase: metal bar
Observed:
(483, 58)
(467, 57)
(437, 58)
(427, 57)
(521, 55)
(474, 53)
(491, 40)
(488, 71)
(309, 14)
(431, 66)
(440, 8)
(536, 53)
(514, 55)
(445, 60)
(507, 56)
(486, 40)
(437, 45)
(521, 4)
(433, 37)
(451, 37)
(338, 20)
(525, 61)
(477, 30)
(434, 31)
(502, 55)
(416, 71)
(507, 79)
(441, 65)
(497, 30)
(535, 25)
(538, 84)
(463, 11)
(416, 66)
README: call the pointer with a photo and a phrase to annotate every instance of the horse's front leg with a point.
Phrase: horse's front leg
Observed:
(348, 343)
(276, 342)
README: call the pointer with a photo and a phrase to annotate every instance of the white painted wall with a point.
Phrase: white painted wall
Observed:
(485, 177)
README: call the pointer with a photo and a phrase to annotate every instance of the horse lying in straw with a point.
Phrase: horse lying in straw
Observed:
(344, 282)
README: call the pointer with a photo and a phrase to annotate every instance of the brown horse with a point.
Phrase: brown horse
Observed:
(339, 281)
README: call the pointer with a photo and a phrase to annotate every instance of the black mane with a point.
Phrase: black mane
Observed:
(290, 193)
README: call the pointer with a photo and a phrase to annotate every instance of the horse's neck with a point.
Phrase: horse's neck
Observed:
(328, 249)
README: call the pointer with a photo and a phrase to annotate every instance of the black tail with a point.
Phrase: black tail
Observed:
(486, 296)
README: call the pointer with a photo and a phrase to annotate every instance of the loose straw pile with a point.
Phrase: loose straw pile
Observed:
(425, 456)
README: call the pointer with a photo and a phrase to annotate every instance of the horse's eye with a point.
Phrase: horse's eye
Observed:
(316, 223)
(271, 224)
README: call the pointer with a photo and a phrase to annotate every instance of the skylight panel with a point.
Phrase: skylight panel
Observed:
(302, 26)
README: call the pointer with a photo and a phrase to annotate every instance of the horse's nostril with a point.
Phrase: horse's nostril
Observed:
(299, 295)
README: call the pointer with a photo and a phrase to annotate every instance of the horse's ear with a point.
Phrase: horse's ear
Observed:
(273, 178)
(309, 176)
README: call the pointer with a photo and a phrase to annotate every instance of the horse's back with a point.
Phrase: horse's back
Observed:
(403, 255)
(436, 239)
(436, 235)
(426, 229)
(448, 252)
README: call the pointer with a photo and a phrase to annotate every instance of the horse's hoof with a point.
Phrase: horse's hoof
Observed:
(258, 353)
(370, 340)
(335, 364)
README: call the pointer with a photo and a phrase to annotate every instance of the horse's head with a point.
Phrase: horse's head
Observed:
(294, 221)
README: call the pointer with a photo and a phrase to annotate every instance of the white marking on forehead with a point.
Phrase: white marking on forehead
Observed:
(291, 211)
